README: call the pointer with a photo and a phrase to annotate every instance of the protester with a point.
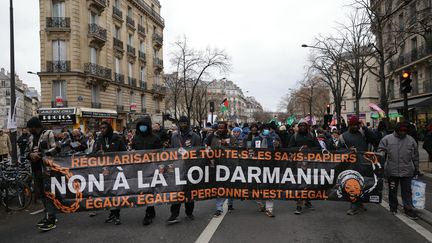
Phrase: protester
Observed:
(270, 140)
(380, 132)
(333, 143)
(303, 139)
(78, 142)
(23, 141)
(236, 132)
(183, 139)
(221, 139)
(402, 164)
(357, 138)
(245, 131)
(5, 145)
(285, 136)
(247, 142)
(41, 144)
(146, 139)
(109, 141)
(90, 143)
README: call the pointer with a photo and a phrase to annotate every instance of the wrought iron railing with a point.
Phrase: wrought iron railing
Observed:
(132, 82)
(130, 50)
(117, 12)
(141, 29)
(157, 38)
(58, 66)
(142, 56)
(119, 78)
(96, 70)
(58, 22)
(96, 105)
(157, 62)
(143, 85)
(97, 31)
(118, 43)
(151, 11)
(130, 21)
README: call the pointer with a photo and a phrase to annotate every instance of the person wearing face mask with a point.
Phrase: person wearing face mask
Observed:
(109, 141)
(236, 132)
(303, 139)
(357, 138)
(221, 139)
(143, 139)
(268, 139)
(183, 139)
(401, 165)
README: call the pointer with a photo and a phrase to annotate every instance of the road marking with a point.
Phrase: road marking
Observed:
(211, 228)
(38, 211)
(411, 223)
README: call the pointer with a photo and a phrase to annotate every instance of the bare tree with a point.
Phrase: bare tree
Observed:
(193, 66)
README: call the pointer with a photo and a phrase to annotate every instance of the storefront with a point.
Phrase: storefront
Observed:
(58, 118)
(91, 118)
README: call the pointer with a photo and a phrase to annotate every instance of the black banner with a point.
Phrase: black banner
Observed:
(140, 178)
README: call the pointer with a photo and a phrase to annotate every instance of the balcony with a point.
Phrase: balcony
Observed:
(132, 82)
(119, 78)
(120, 108)
(54, 104)
(57, 24)
(146, 8)
(130, 22)
(143, 85)
(131, 51)
(118, 44)
(158, 63)
(97, 33)
(144, 110)
(414, 56)
(159, 89)
(58, 66)
(98, 71)
(157, 40)
(141, 30)
(99, 4)
(117, 14)
(142, 56)
(96, 105)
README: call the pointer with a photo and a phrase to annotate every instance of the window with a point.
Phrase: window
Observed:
(414, 44)
(155, 52)
(401, 22)
(141, 20)
(117, 3)
(129, 11)
(58, 9)
(142, 74)
(7, 101)
(93, 18)
(93, 55)
(156, 79)
(119, 97)
(59, 50)
(143, 101)
(132, 98)
(59, 89)
(130, 39)
(7, 92)
(142, 46)
(117, 32)
(157, 105)
(95, 94)
(117, 65)
(3, 83)
(130, 68)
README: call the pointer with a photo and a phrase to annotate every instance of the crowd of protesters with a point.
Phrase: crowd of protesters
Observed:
(398, 146)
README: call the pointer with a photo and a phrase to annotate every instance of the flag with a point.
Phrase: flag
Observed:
(334, 120)
(224, 105)
(291, 120)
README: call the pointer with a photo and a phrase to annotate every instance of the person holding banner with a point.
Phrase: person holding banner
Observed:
(270, 140)
(41, 143)
(303, 139)
(221, 139)
(254, 132)
(184, 138)
(401, 165)
(108, 141)
(144, 138)
(357, 138)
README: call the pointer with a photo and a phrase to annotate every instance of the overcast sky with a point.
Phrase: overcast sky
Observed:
(263, 38)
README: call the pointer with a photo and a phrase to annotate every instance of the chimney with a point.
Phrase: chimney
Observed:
(2, 70)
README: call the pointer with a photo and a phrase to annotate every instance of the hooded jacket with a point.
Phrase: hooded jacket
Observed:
(186, 139)
(112, 142)
(146, 140)
(402, 155)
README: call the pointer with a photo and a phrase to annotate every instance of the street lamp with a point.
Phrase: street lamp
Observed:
(30, 72)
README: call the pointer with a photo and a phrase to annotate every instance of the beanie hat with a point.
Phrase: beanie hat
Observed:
(237, 129)
(184, 119)
(34, 122)
(402, 126)
(353, 121)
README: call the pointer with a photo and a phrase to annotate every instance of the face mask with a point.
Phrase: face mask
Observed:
(266, 132)
(143, 128)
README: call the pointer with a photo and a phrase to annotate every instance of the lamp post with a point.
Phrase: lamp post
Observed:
(13, 131)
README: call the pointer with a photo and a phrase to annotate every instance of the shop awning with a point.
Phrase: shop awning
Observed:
(418, 102)
(96, 113)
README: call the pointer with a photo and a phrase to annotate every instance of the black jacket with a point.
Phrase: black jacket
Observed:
(113, 142)
(22, 142)
(285, 138)
(147, 140)
(186, 140)
(298, 140)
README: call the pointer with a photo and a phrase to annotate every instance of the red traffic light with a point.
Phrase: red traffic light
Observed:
(406, 75)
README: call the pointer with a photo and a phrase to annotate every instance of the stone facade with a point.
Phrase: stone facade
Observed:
(102, 55)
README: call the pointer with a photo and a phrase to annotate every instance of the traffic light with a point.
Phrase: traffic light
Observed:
(328, 109)
(405, 86)
(212, 106)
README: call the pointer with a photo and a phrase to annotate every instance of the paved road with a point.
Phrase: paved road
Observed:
(328, 223)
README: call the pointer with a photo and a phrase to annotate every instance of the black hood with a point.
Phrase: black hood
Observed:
(145, 120)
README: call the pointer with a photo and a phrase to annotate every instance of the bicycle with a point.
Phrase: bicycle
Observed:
(15, 186)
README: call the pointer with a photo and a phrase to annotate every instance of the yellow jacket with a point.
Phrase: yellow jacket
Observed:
(5, 144)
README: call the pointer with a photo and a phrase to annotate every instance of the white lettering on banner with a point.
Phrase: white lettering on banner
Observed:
(98, 184)
(60, 186)
(178, 181)
(82, 183)
(200, 174)
(141, 183)
(158, 178)
(254, 173)
(288, 176)
(270, 178)
(120, 181)
(238, 175)
(306, 177)
(325, 176)
(218, 173)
